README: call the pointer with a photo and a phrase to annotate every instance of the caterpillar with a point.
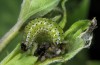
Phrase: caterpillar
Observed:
(41, 30)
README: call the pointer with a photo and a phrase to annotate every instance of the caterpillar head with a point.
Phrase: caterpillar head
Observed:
(24, 47)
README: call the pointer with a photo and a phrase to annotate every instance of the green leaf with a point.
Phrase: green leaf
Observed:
(20, 59)
(78, 26)
(17, 57)
(36, 8)
(78, 36)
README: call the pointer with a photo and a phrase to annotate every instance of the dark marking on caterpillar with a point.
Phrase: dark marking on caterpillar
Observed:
(35, 27)
(47, 34)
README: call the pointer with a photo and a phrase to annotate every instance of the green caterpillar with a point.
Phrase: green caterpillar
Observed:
(41, 30)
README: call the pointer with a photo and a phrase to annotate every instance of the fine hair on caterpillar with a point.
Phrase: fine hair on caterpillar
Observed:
(47, 34)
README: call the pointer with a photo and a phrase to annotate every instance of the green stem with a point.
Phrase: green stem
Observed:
(64, 19)
(10, 34)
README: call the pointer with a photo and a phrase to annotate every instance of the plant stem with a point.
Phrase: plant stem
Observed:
(10, 34)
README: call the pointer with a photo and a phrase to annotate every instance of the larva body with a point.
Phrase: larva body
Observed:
(42, 30)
